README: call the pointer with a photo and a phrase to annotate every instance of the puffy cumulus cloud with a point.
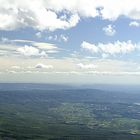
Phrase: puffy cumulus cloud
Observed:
(54, 14)
(86, 66)
(109, 30)
(91, 47)
(117, 47)
(85, 8)
(134, 23)
(30, 51)
(113, 9)
(34, 13)
(107, 9)
(111, 48)
(43, 66)
(8, 22)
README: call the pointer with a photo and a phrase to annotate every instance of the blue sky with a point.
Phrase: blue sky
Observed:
(78, 41)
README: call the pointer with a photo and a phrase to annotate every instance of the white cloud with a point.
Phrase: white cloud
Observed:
(91, 47)
(64, 38)
(111, 48)
(50, 37)
(85, 8)
(113, 9)
(8, 22)
(70, 66)
(38, 35)
(4, 40)
(87, 66)
(117, 47)
(34, 14)
(54, 38)
(31, 51)
(45, 46)
(3, 52)
(38, 49)
(134, 23)
(12, 71)
(15, 67)
(52, 51)
(59, 38)
(45, 14)
(22, 41)
(43, 66)
(39, 45)
(109, 30)
(104, 55)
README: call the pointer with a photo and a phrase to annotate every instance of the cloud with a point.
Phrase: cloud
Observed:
(63, 38)
(15, 67)
(45, 46)
(54, 37)
(87, 66)
(21, 41)
(113, 9)
(43, 66)
(70, 66)
(109, 30)
(90, 47)
(38, 35)
(54, 14)
(117, 47)
(24, 13)
(134, 23)
(4, 40)
(39, 45)
(59, 38)
(3, 52)
(15, 48)
(52, 51)
(30, 51)
(8, 49)
(85, 8)
(110, 48)
(104, 55)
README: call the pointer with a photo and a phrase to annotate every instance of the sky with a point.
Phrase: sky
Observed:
(75, 41)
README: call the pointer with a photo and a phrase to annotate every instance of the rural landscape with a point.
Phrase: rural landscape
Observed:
(68, 114)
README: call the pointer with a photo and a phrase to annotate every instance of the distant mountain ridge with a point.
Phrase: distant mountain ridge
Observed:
(46, 86)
